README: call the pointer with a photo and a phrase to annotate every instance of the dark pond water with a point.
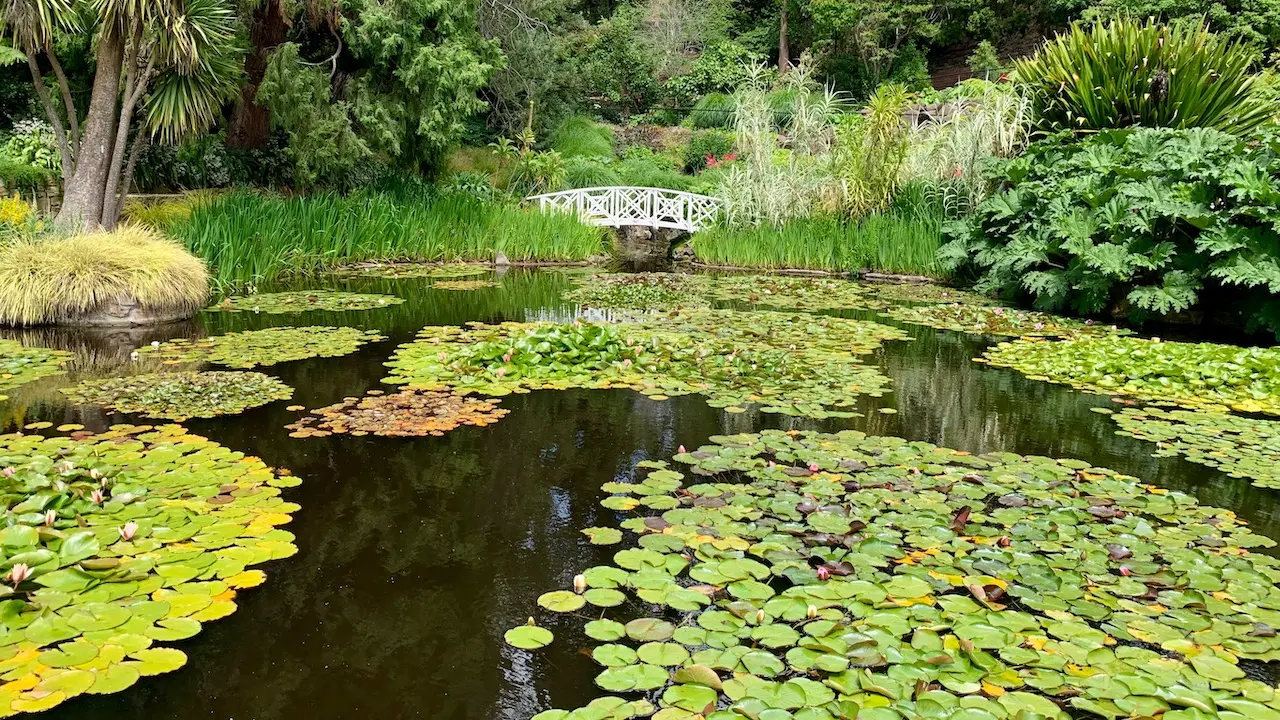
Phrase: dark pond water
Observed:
(416, 555)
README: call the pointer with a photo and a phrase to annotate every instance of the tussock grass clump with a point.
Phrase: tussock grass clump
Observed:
(166, 213)
(579, 136)
(56, 279)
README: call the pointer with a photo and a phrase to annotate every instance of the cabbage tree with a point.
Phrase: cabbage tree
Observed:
(162, 69)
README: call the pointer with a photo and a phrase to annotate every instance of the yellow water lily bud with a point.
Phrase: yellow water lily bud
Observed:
(579, 584)
(812, 612)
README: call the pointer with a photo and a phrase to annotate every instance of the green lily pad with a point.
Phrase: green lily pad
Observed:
(528, 637)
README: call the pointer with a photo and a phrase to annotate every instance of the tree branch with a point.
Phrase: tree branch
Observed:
(59, 133)
(140, 141)
(134, 87)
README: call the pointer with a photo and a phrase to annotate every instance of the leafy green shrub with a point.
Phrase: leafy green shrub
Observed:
(704, 144)
(714, 110)
(18, 175)
(1124, 73)
(1140, 222)
(32, 143)
(579, 136)
(721, 68)
(644, 168)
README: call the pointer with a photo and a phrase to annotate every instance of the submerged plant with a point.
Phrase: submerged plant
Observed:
(1189, 374)
(269, 346)
(1238, 446)
(304, 301)
(20, 364)
(797, 574)
(178, 396)
(133, 540)
(791, 364)
(403, 414)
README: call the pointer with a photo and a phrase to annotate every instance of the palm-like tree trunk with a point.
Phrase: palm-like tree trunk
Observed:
(85, 191)
(784, 47)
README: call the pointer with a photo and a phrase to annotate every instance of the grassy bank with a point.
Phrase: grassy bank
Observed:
(893, 242)
(252, 238)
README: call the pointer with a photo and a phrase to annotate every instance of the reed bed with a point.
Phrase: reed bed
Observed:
(892, 242)
(249, 238)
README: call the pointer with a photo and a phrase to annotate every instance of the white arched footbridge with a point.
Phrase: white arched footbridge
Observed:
(618, 206)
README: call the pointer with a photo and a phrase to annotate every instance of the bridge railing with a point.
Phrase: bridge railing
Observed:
(617, 206)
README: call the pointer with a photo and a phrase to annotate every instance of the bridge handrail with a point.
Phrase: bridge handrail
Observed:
(617, 205)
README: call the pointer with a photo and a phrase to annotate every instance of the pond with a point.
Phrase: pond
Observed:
(416, 555)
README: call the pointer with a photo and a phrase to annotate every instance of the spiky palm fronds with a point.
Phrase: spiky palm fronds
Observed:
(1124, 73)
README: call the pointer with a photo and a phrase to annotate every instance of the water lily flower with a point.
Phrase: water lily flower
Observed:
(998, 311)
(506, 357)
(97, 497)
(502, 371)
(1088, 322)
(18, 573)
(442, 357)
(95, 474)
(813, 467)
(772, 463)
(128, 530)
(626, 362)
(65, 466)
(8, 472)
(579, 583)
(760, 617)
(823, 573)
(1039, 326)
(50, 517)
(155, 343)
(680, 449)
(811, 612)
(133, 355)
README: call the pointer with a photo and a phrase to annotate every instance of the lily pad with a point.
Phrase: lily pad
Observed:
(1239, 446)
(304, 301)
(528, 637)
(178, 396)
(270, 346)
(402, 414)
(20, 364)
(101, 539)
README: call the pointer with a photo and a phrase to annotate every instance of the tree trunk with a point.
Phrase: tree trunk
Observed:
(250, 123)
(135, 84)
(59, 134)
(784, 48)
(83, 197)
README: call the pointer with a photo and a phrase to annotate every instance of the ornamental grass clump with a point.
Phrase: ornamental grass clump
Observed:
(1126, 72)
(56, 280)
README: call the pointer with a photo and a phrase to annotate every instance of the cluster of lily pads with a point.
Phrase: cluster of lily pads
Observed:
(661, 291)
(181, 395)
(118, 543)
(403, 414)
(303, 301)
(1241, 447)
(270, 346)
(464, 284)
(415, 270)
(987, 320)
(1195, 375)
(840, 576)
(795, 364)
(20, 364)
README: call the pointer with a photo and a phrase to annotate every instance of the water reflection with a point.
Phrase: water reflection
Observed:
(416, 555)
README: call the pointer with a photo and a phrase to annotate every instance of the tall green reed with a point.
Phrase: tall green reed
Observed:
(249, 238)
(898, 240)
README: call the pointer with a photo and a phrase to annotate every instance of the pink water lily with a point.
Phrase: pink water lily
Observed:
(128, 530)
(50, 517)
(626, 362)
(813, 467)
(502, 371)
(823, 573)
(998, 311)
(97, 497)
(680, 449)
(18, 573)
(442, 356)
(506, 357)
(8, 472)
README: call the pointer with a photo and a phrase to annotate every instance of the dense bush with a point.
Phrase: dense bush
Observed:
(720, 68)
(1137, 222)
(1126, 73)
(706, 144)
